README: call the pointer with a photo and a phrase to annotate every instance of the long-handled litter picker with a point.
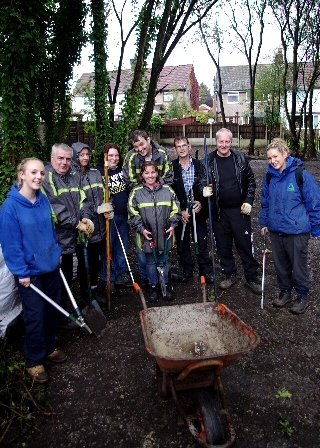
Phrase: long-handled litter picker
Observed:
(136, 286)
(195, 235)
(264, 260)
(210, 221)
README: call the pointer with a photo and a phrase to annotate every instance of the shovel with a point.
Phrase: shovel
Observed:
(92, 312)
(161, 267)
(79, 320)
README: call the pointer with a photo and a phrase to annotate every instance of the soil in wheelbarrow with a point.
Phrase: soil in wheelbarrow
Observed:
(106, 394)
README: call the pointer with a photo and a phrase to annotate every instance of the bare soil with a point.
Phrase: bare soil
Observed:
(106, 394)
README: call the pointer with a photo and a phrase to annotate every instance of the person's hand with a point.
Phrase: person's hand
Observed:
(105, 207)
(197, 206)
(207, 191)
(86, 226)
(25, 282)
(169, 232)
(185, 217)
(246, 208)
(147, 234)
(109, 215)
(265, 230)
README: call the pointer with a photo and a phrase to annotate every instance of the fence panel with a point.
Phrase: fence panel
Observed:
(78, 134)
(170, 130)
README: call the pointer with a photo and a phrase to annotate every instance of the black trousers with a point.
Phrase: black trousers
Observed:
(94, 250)
(290, 256)
(186, 260)
(67, 269)
(235, 227)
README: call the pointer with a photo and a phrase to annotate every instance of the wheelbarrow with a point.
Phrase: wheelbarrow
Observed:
(191, 344)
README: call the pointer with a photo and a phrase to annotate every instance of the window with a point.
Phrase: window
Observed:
(167, 96)
(233, 97)
(315, 121)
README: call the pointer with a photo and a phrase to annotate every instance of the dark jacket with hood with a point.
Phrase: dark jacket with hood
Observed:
(155, 210)
(287, 209)
(92, 184)
(134, 161)
(178, 187)
(244, 175)
(68, 203)
(27, 235)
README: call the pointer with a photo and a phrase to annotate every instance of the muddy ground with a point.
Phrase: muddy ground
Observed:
(106, 394)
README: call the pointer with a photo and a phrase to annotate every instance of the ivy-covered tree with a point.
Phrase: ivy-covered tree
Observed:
(39, 44)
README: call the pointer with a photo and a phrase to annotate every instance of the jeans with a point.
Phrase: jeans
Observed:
(118, 264)
(152, 271)
(142, 262)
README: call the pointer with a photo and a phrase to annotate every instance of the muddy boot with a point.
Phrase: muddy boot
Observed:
(284, 297)
(153, 293)
(169, 293)
(38, 374)
(299, 305)
(228, 282)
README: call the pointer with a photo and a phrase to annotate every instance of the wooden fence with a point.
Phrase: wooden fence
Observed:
(168, 132)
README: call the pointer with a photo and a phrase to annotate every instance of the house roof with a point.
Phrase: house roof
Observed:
(235, 78)
(171, 77)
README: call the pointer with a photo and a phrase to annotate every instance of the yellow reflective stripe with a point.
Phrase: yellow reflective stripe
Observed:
(53, 185)
(132, 175)
(97, 185)
(83, 197)
(133, 211)
(174, 210)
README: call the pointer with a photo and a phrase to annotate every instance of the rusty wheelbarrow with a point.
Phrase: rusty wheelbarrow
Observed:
(191, 344)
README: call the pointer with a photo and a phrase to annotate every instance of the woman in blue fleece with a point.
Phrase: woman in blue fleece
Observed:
(290, 211)
(31, 252)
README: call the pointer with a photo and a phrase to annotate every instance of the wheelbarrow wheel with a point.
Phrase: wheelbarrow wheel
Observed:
(211, 428)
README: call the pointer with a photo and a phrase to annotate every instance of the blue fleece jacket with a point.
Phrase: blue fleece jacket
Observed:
(27, 235)
(284, 208)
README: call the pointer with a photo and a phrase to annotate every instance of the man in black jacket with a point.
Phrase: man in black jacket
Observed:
(232, 187)
(186, 169)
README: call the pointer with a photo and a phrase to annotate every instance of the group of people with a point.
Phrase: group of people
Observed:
(55, 209)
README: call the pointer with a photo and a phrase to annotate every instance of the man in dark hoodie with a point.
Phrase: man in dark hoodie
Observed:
(71, 210)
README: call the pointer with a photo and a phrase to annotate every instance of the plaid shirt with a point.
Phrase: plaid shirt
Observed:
(188, 177)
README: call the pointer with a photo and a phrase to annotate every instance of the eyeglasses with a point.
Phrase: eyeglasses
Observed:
(184, 146)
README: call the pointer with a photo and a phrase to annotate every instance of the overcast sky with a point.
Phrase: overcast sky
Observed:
(184, 53)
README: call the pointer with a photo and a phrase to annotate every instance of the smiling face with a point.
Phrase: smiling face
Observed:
(278, 160)
(150, 176)
(84, 157)
(224, 142)
(33, 175)
(113, 158)
(61, 161)
(143, 146)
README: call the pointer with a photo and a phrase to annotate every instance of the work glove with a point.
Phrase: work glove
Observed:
(86, 226)
(207, 191)
(106, 207)
(109, 215)
(246, 208)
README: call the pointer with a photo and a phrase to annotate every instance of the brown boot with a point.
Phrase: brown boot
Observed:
(58, 356)
(38, 374)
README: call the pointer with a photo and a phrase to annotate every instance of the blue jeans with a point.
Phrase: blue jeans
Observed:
(142, 262)
(152, 271)
(118, 259)
(118, 264)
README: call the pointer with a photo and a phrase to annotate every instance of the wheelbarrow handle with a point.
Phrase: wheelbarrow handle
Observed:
(197, 365)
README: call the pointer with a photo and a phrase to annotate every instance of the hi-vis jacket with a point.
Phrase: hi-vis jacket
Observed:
(92, 184)
(69, 205)
(134, 161)
(154, 210)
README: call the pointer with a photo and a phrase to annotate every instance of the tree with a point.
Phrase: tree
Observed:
(38, 48)
(270, 94)
(178, 107)
(205, 95)
(245, 27)
(212, 36)
(299, 27)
